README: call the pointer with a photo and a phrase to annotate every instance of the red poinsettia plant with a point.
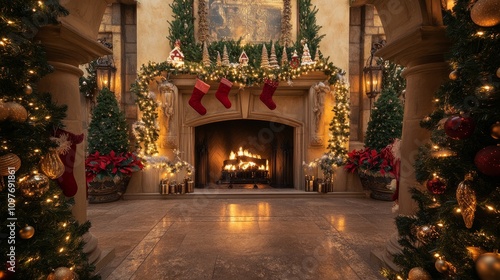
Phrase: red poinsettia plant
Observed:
(371, 162)
(114, 165)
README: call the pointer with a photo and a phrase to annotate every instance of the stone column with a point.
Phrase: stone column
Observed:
(66, 49)
(423, 80)
(422, 52)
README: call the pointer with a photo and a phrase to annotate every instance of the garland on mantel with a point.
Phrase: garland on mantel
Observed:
(241, 76)
(251, 75)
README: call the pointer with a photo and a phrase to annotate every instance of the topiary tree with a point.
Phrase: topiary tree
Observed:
(108, 127)
(386, 118)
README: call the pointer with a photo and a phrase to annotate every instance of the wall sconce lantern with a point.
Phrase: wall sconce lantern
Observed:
(373, 74)
(105, 73)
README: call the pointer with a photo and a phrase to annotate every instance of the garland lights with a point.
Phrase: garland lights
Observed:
(147, 133)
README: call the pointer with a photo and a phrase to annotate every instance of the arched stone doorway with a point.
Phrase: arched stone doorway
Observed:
(415, 39)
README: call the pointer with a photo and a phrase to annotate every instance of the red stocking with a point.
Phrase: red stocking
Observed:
(67, 181)
(200, 89)
(223, 91)
(266, 95)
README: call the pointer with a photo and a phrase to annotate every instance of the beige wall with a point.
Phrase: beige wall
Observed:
(152, 30)
(365, 28)
(334, 20)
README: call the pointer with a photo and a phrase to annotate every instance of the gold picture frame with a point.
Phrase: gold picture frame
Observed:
(254, 21)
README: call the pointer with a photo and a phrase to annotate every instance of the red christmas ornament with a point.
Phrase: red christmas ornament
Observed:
(436, 186)
(458, 127)
(487, 161)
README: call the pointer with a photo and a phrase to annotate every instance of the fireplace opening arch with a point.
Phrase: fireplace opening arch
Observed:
(244, 151)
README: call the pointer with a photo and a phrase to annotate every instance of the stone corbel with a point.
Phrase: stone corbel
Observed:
(317, 100)
(168, 114)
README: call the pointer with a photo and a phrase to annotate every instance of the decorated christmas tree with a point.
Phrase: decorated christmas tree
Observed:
(108, 126)
(386, 118)
(225, 57)
(454, 233)
(264, 61)
(206, 56)
(273, 61)
(40, 237)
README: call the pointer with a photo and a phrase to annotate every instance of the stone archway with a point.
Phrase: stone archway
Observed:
(415, 39)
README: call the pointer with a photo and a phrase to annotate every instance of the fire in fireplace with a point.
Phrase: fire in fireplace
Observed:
(244, 167)
(265, 157)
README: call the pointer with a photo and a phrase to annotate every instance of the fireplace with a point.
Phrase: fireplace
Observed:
(294, 133)
(244, 152)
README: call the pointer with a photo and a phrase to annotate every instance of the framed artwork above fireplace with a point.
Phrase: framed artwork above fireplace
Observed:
(255, 21)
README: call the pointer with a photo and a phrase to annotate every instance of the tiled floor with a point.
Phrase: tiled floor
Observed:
(202, 237)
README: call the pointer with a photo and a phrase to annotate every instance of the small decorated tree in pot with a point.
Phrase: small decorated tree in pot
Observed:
(109, 163)
(386, 120)
(378, 163)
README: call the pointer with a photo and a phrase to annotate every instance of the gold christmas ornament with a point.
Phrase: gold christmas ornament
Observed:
(495, 130)
(466, 198)
(425, 233)
(51, 165)
(27, 232)
(453, 75)
(17, 112)
(4, 111)
(8, 162)
(498, 72)
(418, 273)
(475, 252)
(485, 13)
(28, 89)
(488, 266)
(442, 266)
(62, 273)
(33, 185)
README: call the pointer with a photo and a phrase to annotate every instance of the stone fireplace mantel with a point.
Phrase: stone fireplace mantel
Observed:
(305, 105)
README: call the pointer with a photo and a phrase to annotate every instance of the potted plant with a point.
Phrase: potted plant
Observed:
(378, 163)
(376, 169)
(109, 163)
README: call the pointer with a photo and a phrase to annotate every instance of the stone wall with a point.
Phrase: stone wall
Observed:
(365, 29)
(119, 26)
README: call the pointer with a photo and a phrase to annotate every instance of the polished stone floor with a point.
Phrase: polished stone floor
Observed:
(202, 237)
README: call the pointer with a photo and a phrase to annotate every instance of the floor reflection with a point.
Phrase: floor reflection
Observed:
(235, 238)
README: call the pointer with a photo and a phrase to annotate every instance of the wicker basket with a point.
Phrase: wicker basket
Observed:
(378, 186)
(107, 190)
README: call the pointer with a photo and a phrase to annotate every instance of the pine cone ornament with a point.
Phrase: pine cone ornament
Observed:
(466, 198)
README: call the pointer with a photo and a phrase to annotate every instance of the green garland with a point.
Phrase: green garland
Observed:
(339, 126)
(246, 76)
